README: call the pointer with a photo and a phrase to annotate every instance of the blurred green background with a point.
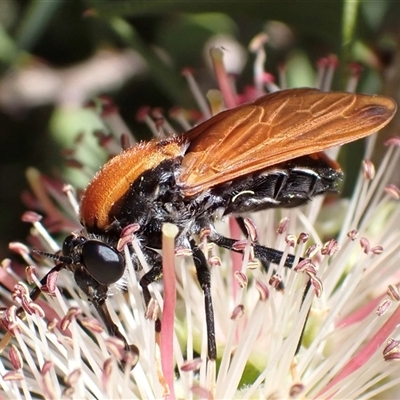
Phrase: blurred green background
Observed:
(56, 55)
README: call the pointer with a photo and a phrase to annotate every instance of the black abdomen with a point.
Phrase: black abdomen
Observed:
(285, 185)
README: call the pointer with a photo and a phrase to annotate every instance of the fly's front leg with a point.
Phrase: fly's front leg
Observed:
(204, 278)
(153, 275)
(114, 331)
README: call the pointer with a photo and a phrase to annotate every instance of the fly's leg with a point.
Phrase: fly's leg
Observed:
(153, 275)
(114, 331)
(265, 264)
(204, 278)
(266, 255)
(263, 253)
(34, 295)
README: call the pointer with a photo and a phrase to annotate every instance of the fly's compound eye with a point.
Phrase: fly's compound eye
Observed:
(103, 262)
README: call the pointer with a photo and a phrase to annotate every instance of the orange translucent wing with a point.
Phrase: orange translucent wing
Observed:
(276, 128)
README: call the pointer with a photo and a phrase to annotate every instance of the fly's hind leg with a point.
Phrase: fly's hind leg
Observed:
(266, 255)
(263, 253)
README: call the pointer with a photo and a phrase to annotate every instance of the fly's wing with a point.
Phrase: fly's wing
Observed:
(276, 128)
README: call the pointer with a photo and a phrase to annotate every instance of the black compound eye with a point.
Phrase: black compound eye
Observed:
(104, 263)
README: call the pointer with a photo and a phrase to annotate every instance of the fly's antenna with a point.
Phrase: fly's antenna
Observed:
(56, 257)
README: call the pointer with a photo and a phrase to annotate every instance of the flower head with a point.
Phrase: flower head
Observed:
(324, 328)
